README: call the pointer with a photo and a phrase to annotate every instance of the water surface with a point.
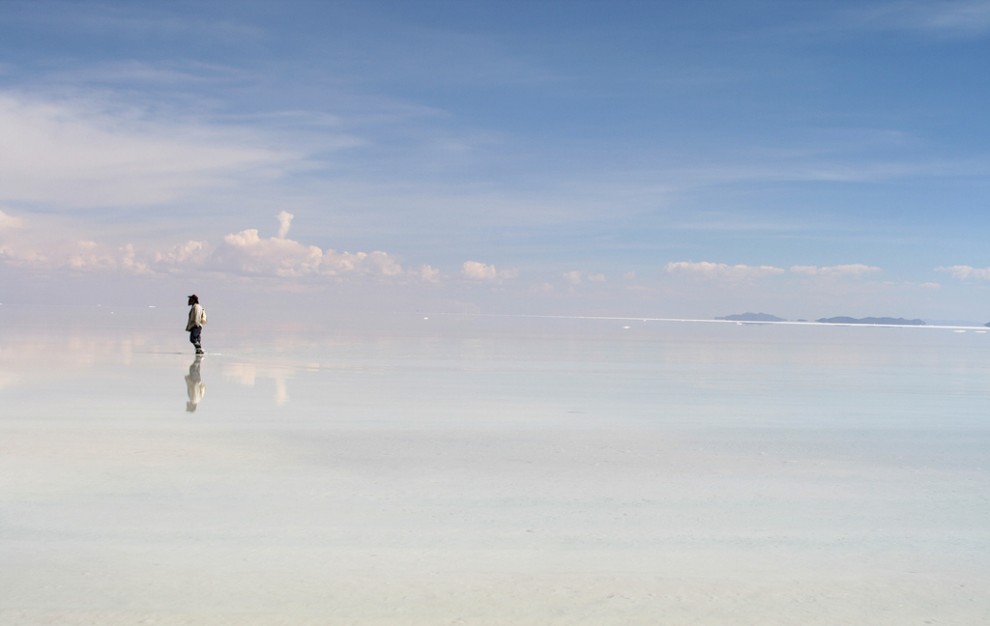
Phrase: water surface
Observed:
(493, 471)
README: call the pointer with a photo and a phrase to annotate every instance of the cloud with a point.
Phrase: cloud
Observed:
(429, 274)
(479, 271)
(189, 253)
(241, 253)
(967, 272)
(109, 155)
(247, 252)
(9, 222)
(854, 269)
(960, 19)
(482, 272)
(284, 222)
(708, 269)
(369, 263)
(576, 277)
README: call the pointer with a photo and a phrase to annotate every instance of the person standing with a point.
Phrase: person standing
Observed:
(197, 319)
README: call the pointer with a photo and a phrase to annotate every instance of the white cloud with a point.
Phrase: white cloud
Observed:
(429, 274)
(376, 263)
(129, 260)
(114, 156)
(854, 269)
(967, 272)
(284, 222)
(573, 277)
(191, 252)
(247, 252)
(476, 270)
(9, 222)
(708, 269)
(243, 252)
(576, 277)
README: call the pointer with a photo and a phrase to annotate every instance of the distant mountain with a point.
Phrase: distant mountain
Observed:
(751, 317)
(885, 321)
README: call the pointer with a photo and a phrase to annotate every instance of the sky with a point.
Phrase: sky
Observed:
(675, 158)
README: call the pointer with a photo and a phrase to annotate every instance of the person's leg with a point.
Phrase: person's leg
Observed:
(194, 337)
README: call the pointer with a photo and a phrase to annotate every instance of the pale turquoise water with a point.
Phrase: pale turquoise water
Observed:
(494, 471)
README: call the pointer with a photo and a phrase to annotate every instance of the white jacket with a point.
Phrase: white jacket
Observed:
(197, 317)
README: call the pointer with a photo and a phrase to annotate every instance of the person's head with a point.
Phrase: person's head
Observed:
(193, 299)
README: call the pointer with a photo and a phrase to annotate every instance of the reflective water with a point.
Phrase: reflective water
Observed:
(493, 471)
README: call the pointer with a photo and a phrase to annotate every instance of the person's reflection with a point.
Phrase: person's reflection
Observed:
(195, 388)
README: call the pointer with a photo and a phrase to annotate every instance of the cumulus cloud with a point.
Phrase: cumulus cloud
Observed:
(854, 269)
(476, 270)
(241, 253)
(248, 252)
(967, 272)
(189, 253)
(376, 263)
(708, 269)
(429, 274)
(82, 255)
(576, 277)
(9, 222)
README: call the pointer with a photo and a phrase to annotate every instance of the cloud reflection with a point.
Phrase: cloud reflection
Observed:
(247, 374)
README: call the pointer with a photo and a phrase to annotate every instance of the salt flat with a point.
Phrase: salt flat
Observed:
(495, 472)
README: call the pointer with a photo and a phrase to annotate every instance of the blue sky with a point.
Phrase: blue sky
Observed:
(671, 159)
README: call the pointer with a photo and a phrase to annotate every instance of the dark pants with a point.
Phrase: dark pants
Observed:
(194, 335)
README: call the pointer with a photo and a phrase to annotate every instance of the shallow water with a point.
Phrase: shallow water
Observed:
(494, 471)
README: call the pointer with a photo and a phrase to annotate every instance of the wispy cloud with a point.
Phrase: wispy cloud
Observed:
(115, 157)
(852, 269)
(945, 18)
(123, 21)
(712, 270)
